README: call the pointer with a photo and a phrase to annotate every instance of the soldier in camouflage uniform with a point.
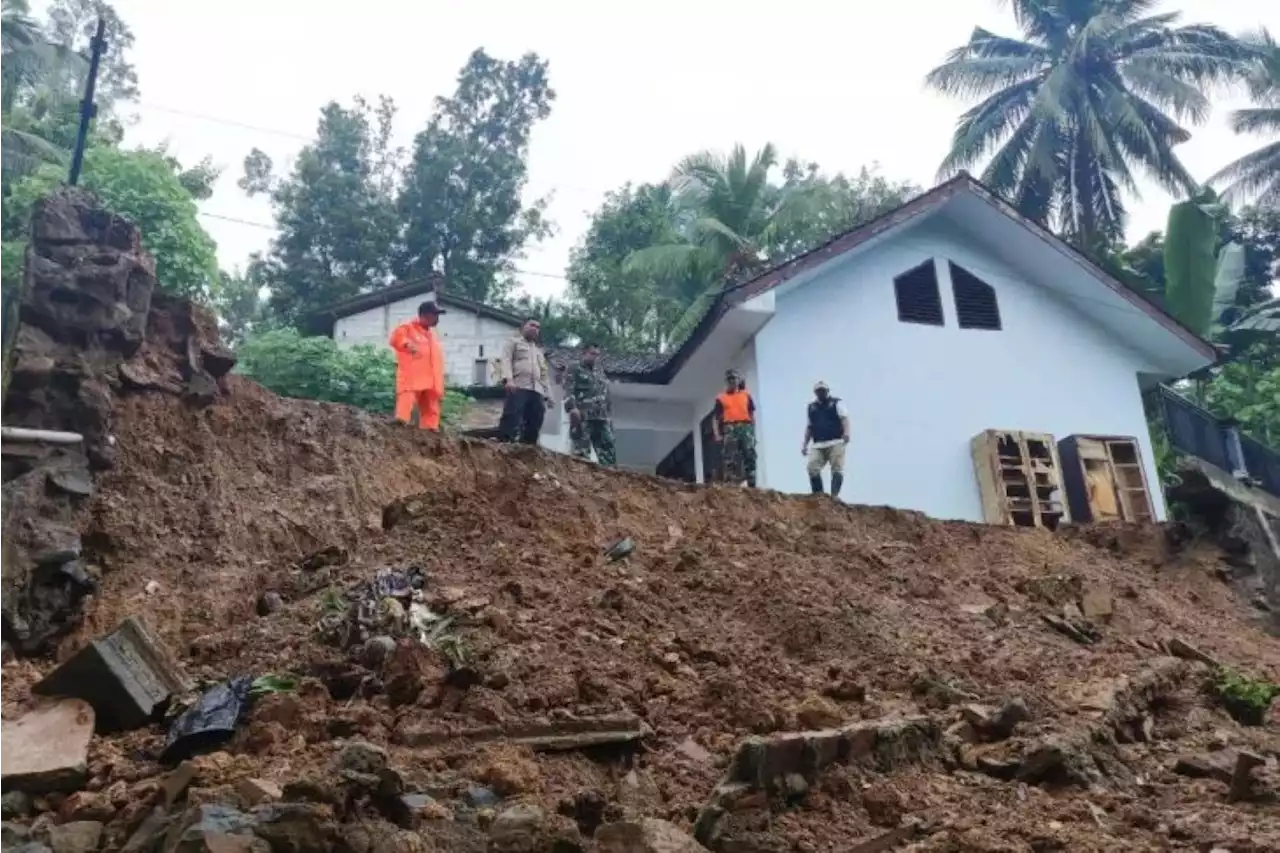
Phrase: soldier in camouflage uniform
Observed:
(590, 410)
(734, 424)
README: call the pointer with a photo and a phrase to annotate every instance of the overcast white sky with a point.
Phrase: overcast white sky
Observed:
(638, 87)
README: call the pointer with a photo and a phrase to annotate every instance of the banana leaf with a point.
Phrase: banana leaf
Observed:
(1189, 263)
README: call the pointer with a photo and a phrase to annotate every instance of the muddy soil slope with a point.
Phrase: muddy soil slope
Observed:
(236, 530)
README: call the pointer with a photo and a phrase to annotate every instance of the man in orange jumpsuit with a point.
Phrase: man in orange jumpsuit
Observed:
(419, 367)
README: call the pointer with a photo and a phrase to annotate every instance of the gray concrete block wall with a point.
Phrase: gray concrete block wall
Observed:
(466, 337)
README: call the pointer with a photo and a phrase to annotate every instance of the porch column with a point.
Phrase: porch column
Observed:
(697, 449)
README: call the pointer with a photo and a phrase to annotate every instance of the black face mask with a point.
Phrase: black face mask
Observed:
(822, 396)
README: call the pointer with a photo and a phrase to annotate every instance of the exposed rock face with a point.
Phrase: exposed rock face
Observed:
(93, 325)
(1245, 522)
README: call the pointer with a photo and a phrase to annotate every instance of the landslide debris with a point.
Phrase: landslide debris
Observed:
(475, 671)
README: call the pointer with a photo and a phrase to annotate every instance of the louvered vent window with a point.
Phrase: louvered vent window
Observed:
(976, 305)
(916, 292)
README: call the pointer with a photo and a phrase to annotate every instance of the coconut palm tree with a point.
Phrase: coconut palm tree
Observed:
(1093, 91)
(1256, 175)
(726, 211)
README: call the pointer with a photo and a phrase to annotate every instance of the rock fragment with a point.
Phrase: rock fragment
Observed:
(1242, 776)
(257, 791)
(1198, 767)
(209, 829)
(78, 836)
(648, 835)
(1180, 648)
(815, 712)
(47, 749)
(516, 829)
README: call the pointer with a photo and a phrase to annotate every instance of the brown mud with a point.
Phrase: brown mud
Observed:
(738, 613)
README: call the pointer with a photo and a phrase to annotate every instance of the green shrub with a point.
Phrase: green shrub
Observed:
(1246, 699)
(316, 368)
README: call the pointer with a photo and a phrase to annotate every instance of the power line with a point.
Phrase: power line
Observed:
(226, 121)
(263, 225)
(304, 138)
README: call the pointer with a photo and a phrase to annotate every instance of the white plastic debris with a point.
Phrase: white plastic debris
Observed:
(152, 587)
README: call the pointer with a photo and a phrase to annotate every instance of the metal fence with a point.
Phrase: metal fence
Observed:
(1197, 432)
(1193, 430)
(1262, 463)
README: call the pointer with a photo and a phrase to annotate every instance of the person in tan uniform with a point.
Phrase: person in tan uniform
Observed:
(527, 379)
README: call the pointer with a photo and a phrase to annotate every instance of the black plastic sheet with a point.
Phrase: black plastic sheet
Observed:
(210, 722)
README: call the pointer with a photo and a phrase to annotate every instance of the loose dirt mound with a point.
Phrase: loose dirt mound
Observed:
(737, 613)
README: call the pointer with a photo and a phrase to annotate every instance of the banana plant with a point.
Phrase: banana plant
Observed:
(1201, 280)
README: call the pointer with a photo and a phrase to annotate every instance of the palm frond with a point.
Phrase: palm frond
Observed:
(1198, 54)
(1164, 90)
(1256, 120)
(981, 129)
(664, 262)
(1254, 176)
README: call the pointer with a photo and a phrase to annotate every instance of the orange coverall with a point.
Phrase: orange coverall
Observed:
(419, 373)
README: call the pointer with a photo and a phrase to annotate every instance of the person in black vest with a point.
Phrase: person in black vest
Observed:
(825, 436)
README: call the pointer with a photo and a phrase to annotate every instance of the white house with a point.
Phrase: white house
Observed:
(472, 335)
(946, 317)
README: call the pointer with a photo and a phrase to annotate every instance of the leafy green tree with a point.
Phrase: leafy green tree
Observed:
(1247, 387)
(729, 220)
(1091, 92)
(625, 310)
(29, 59)
(316, 368)
(462, 196)
(143, 186)
(830, 205)
(727, 214)
(240, 303)
(555, 316)
(335, 211)
(1257, 174)
(72, 24)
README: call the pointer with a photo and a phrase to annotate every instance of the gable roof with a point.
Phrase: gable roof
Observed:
(737, 293)
(614, 364)
(322, 322)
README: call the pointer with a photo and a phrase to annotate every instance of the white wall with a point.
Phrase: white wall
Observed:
(465, 336)
(917, 394)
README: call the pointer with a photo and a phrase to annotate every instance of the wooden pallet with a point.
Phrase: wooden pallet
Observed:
(1019, 478)
(1105, 478)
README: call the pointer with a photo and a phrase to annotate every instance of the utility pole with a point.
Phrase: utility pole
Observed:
(87, 107)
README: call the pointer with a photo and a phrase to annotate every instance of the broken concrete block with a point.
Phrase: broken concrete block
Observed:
(47, 749)
(257, 791)
(648, 835)
(1097, 604)
(127, 676)
(691, 749)
(78, 836)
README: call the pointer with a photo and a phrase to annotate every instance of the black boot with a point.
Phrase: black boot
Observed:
(815, 483)
(837, 480)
